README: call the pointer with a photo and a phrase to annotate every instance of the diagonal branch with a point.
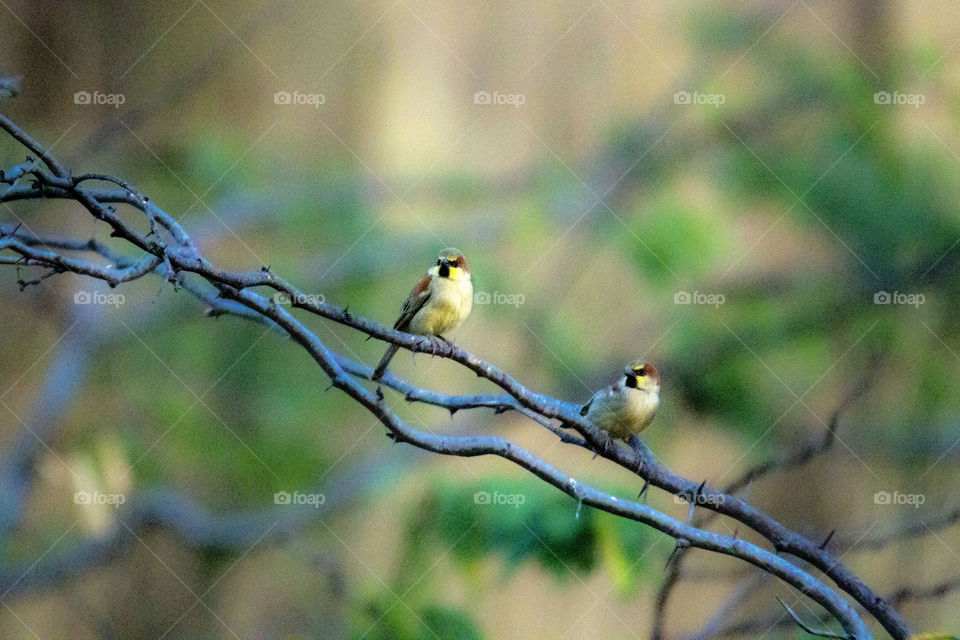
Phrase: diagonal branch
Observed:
(173, 254)
(779, 464)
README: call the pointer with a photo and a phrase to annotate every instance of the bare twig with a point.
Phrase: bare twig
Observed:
(816, 632)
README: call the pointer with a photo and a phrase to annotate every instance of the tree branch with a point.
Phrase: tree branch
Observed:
(172, 253)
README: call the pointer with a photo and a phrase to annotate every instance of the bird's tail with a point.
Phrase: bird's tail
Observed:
(384, 361)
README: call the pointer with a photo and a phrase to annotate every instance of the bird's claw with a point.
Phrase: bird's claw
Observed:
(437, 343)
(606, 445)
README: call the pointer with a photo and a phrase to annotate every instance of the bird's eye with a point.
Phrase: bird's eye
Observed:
(641, 371)
(438, 262)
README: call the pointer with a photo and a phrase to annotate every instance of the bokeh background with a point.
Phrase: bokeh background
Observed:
(783, 163)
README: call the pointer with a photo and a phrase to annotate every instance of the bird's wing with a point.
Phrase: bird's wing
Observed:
(602, 394)
(415, 301)
(585, 408)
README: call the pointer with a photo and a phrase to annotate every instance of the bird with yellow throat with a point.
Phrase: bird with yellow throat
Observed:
(628, 406)
(439, 303)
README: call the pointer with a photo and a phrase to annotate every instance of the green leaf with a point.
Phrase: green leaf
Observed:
(445, 622)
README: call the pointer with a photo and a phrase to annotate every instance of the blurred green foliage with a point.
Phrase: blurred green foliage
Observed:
(799, 151)
(518, 523)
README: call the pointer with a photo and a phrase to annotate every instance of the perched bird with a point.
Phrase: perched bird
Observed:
(441, 301)
(627, 406)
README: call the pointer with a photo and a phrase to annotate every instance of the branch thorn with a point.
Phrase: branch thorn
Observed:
(826, 541)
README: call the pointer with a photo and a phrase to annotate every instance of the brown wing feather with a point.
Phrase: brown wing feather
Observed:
(414, 302)
(418, 297)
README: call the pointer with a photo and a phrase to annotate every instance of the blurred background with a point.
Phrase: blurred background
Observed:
(760, 197)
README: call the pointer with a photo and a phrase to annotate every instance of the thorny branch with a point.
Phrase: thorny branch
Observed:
(781, 464)
(167, 250)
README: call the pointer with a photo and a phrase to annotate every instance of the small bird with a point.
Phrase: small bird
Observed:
(627, 406)
(441, 301)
